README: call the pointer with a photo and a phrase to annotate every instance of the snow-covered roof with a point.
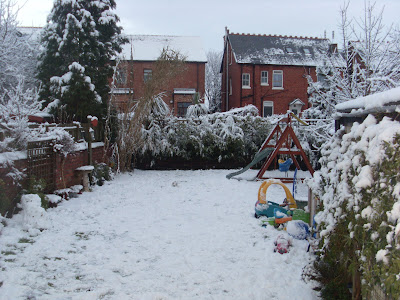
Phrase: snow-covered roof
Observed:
(278, 50)
(387, 101)
(149, 47)
(31, 33)
(297, 101)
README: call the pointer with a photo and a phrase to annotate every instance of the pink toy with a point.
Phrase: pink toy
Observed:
(282, 244)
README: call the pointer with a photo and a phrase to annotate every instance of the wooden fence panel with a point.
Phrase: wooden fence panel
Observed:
(41, 162)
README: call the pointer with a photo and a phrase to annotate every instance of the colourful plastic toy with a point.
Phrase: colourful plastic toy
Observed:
(285, 165)
(264, 208)
(282, 244)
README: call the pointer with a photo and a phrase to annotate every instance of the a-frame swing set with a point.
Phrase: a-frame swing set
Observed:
(281, 141)
(284, 142)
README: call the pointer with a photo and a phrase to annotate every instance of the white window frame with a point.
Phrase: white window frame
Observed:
(121, 76)
(276, 72)
(246, 86)
(269, 104)
(264, 72)
(289, 50)
(147, 74)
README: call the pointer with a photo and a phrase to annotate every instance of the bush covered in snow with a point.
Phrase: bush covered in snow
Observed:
(359, 221)
(16, 105)
(313, 137)
(234, 135)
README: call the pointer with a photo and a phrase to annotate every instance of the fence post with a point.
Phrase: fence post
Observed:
(88, 133)
(311, 206)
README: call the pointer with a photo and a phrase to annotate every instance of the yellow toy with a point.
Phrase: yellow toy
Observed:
(262, 193)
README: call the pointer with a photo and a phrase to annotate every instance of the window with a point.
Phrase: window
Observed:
(277, 79)
(307, 51)
(246, 80)
(182, 108)
(268, 108)
(120, 76)
(230, 86)
(147, 74)
(321, 78)
(289, 50)
(264, 77)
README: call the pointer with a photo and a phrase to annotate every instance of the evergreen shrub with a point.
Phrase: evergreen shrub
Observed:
(359, 218)
(220, 137)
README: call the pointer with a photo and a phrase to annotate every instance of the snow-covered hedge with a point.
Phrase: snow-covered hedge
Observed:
(359, 188)
(217, 137)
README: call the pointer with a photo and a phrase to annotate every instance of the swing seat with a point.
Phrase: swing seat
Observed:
(284, 167)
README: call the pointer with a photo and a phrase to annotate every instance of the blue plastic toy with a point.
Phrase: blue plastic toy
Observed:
(284, 167)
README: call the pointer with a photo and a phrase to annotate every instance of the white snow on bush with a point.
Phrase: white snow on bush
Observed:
(355, 185)
(381, 256)
(53, 198)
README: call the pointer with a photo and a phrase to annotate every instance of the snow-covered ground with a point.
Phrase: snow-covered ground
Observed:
(153, 235)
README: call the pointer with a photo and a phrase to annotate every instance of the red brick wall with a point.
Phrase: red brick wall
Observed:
(294, 85)
(65, 173)
(11, 189)
(192, 77)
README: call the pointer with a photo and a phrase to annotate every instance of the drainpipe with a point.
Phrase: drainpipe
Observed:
(227, 69)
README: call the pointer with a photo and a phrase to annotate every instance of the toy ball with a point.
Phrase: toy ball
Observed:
(298, 229)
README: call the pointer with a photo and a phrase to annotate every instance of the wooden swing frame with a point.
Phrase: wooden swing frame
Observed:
(285, 140)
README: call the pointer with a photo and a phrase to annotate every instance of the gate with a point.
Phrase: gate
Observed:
(41, 162)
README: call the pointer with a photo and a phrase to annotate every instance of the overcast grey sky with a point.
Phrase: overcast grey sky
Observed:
(208, 18)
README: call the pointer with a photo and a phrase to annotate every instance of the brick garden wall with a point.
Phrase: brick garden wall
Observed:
(10, 190)
(65, 175)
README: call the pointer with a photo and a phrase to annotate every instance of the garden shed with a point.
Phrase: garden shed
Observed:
(380, 104)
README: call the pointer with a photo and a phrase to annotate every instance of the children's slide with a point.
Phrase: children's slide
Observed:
(257, 158)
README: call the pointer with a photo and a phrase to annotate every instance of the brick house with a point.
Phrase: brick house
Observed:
(137, 63)
(269, 71)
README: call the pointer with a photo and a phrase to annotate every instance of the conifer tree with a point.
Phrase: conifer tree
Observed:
(79, 40)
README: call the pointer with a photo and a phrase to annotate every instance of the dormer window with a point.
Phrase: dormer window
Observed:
(307, 51)
(289, 50)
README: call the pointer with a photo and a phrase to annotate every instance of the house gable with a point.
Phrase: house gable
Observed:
(269, 71)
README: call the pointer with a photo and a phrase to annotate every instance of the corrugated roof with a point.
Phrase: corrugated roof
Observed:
(149, 47)
(278, 50)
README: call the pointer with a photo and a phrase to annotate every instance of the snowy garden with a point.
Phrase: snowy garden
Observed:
(153, 233)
